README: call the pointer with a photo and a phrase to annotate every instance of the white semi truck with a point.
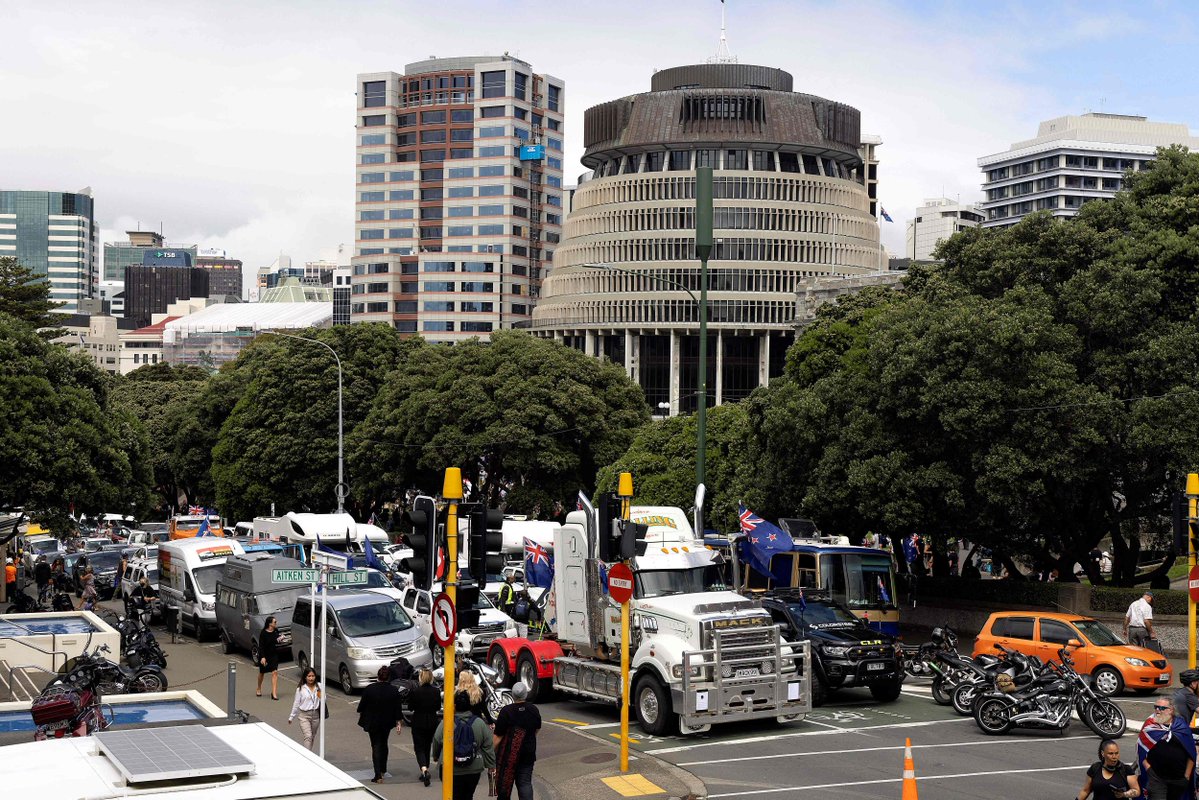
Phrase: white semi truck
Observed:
(700, 654)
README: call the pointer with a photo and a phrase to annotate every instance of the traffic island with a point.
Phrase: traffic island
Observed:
(578, 764)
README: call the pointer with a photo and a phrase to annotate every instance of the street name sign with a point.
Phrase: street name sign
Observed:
(355, 577)
(295, 575)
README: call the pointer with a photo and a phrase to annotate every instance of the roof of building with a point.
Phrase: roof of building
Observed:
(293, 290)
(282, 768)
(156, 328)
(227, 318)
(1096, 131)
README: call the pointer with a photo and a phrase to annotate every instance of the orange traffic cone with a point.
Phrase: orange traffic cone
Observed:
(909, 772)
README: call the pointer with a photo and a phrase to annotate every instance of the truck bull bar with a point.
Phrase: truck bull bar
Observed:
(729, 682)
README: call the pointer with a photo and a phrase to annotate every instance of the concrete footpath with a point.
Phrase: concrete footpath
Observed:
(570, 763)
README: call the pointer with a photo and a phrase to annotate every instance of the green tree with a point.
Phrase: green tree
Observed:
(521, 416)
(269, 420)
(62, 443)
(24, 295)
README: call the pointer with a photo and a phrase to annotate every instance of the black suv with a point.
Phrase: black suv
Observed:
(845, 651)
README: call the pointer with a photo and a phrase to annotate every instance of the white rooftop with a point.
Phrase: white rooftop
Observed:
(229, 317)
(1126, 132)
(282, 769)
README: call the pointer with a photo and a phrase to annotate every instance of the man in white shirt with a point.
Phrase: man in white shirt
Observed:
(1138, 621)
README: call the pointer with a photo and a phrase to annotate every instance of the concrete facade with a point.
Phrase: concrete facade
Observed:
(791, 202)
(1073, 160)
(935, 221)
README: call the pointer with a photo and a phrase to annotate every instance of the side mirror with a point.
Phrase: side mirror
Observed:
(189, 596)
(1074, 643)
(332, 631)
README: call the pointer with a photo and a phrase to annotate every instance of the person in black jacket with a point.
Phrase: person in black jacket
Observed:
(379, 711)
(425, 704)
(268, 656)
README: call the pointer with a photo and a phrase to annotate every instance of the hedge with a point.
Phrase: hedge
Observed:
(1118, 599)
(1025, 593)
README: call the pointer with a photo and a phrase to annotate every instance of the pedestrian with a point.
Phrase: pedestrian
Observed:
(425, 704)
(508, 594)
(307, 706)
(41, 575)
(467, 682)
(10, 580)
(1186, 697)
(1138, 621)
(1166, 755)
(472, 748)
(89, 589)
(1109, 777)
(268, 657)
(516, 745)
(380, 710)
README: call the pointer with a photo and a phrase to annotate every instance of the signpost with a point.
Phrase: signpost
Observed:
(1193, 584)
(620, 589)
(354, 577)
(445, 620)
(451, 492)
(295, 575)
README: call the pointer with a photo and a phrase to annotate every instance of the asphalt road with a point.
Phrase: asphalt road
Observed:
(853, 748)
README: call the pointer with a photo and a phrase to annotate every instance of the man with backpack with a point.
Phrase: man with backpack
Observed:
(472, 748)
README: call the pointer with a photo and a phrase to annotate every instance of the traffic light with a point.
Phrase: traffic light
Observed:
(607, 511)
(468, 602)
(486, 544)
(422, 518)
(632, 539)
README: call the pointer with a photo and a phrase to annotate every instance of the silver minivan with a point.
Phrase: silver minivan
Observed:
(366, 630)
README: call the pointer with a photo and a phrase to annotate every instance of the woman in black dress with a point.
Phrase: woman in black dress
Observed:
(1109, 777)
(425, 704)
(268, 657)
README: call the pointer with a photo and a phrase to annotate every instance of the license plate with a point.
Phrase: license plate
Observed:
(876, 667)
(748, 672)
(1165, 676)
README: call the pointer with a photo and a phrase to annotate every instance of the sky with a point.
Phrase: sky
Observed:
(231, 125)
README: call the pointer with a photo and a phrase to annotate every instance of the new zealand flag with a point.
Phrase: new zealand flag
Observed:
(539, 564)
(762, 541)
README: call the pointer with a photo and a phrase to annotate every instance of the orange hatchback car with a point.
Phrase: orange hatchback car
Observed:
(1112, 664)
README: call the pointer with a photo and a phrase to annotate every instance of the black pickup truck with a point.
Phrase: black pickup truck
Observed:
(845, 651)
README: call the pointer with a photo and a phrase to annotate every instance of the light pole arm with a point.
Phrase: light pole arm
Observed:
(639, 273)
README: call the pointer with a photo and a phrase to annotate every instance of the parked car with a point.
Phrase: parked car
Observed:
(137, 569)
(46, 546)
(247, 594)
(1112, 664)
(95, 543)
(474, 642)
(106, 566)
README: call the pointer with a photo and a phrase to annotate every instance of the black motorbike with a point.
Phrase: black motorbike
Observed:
(1050, 701)
(138, 644)
(495, 696)
(980, 674)
(23, 603)
(920, 659)
(103, 677)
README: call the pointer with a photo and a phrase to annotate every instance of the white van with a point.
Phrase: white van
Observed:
(188, 571)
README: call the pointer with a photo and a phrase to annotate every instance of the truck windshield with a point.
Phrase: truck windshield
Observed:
(276, 602)
(661, 582)
(206, 578)
(374, 620)
(858, 581)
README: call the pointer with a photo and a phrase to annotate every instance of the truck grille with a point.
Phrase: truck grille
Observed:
(395, 651)
(758, 643)
(861, 653)
(490, 627)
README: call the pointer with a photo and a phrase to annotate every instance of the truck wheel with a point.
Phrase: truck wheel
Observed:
(499, 663)
(886, 692)
(254, 654)
(226, 644)
(652, 701)
(819, 690)
(540, 689)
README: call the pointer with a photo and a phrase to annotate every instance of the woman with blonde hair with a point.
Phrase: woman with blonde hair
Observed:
(469, 684)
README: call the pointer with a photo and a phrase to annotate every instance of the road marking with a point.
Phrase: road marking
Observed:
(634, 785)
(744, 793)
(594, 725)
(835, 730)
(568, 721)
(617, 736)
(879, 749)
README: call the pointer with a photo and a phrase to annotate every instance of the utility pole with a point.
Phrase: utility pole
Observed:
(451, 491)
(703, 249)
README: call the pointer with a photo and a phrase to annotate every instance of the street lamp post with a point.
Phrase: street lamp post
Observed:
(340, 491)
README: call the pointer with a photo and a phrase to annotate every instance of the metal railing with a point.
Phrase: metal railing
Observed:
(12, 693)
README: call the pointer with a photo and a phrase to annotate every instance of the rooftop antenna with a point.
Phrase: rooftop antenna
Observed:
(723, 56)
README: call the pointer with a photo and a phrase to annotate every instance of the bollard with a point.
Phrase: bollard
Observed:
(231, 708)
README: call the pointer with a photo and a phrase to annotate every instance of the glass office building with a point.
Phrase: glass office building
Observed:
(55, 235)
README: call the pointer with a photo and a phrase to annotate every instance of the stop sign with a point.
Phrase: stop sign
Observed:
(1193, 584)
(620, 583)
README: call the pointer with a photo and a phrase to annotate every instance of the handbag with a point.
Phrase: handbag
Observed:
(326, 707)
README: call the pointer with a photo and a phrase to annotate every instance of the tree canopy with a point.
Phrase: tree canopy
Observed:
(25, 295)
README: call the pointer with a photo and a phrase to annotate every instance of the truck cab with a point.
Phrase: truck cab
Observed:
(846, 652)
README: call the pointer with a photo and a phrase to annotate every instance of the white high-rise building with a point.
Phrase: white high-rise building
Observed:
(55, 235)
(936, 220)
(1072, 161)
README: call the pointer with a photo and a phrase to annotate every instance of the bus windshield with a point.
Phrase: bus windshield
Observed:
(661, 582)
(858, 581)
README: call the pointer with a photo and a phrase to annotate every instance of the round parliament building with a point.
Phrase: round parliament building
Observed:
(794, 194)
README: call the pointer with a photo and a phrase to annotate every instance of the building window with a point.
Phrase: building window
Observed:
(461, 230)
(461, 211)
(477, 286)
(491, 230)
(460, 191)
(462, 115)
(434, 174)
(400, 213)
(462, 135)
(374, 120)
(492, 152)
(439, 305)
(371, 233)
(406, 175)
(432, 155)
(462, 172)
(402, 194)
(432, 118)
(554, 100)
(431, 194)
(374, 138)
(405, 120)
(491, 132)
(489, 211)
(491, 172)
(493, 84)
(438, 266)
(459, 153)
(493, 111)
(371, 177)
(374, 94)
(374, 158)
(437, 286)
(436, 326)
(399, 233)
(476, 266)
(434, 136)
(476, 327)
(370, 216)
(430, 232)
(376, 308)
(372, 197)
(477, 307)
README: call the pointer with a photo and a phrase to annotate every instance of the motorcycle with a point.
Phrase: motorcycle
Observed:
(138, 644)
(495, 696)
(94, 672)
(975, 678)
(918, 660)
(1050, 701)
(22, 603)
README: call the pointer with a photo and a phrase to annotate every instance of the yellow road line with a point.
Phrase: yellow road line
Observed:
(634, 785)
(569, 721)
(617, 736)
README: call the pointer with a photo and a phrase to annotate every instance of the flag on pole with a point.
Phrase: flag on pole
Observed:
(882, 590)
(884, 214)
(763, 540)
(368, 555)
(539, 565)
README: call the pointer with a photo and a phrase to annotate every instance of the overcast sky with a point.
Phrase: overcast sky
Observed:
(232, 124)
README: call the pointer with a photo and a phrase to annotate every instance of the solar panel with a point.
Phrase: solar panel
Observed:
(163, 754)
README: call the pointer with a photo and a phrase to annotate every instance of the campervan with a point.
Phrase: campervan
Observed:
(246, 595)
(336, 531)
(188, 570)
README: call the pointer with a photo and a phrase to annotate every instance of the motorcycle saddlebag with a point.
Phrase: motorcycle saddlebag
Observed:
(59, 707)
(1004, 683)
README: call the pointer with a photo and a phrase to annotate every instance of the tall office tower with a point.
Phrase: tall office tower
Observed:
(935, 221)
(1072, 161)
(118, 255)
(224, 273)
(791, 202)
(54, 234)
(459, 195)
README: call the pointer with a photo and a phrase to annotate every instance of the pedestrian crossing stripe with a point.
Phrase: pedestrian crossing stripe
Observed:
(568, 721)
(634, 785)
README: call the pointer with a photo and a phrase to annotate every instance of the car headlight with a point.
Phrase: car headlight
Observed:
(1137, 662)
(677, 671)
(766, 667)
(837, 652)
(207, 606)
(360, 652)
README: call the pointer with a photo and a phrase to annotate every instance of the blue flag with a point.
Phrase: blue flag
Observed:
(369, 555)
(763, 540)
(885, 215)
(539, 565)
(882, 590)
(326, 549)
(205, 529)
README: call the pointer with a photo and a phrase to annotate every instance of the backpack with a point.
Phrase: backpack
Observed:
(466, 748)
(520, 611)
